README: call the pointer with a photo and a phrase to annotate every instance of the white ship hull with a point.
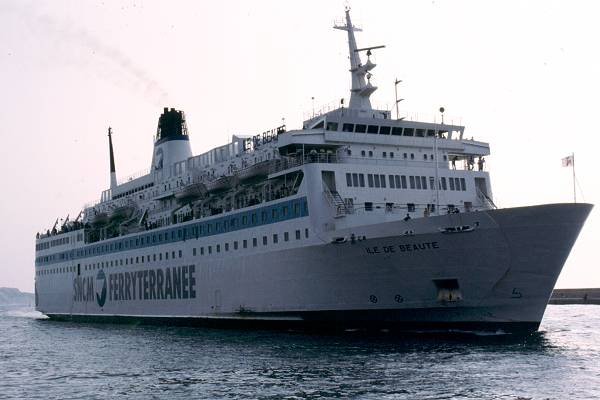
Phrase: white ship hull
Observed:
(505, 271)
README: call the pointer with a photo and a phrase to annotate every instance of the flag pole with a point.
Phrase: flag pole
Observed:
(573, 166)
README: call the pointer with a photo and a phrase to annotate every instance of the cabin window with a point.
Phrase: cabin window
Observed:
(418, 182)
(274, 214)
(404, 185)
(444, 183)
(194, 251)
(457, 183)
(226, 246)
(244, 219)
(275, 238)
(298, 234)
(376, 180)
(412, 181)
(348, 128)
(370, 153)
(430, 132)
(332, 126)
(425, 157)
(285, 211)
(360, 128)
(412, 156)
(209, 249)
(409, 132)
(391, 181)
(362, 153)
(420, 132)
(370, 179)
(384, 154)
(355, 180)
(382, 179)
(286, 236)
(245, 243)
(349, 152)
(373, 129)
(424, 182)
(254, 218)
(306, 233)
(410, 207)
(368, 206)
(384, 130)
(405, 156)
(254, 242)
(451, 181)
(235, 245)
(463, 184)
(391, 154)
(397, 131)
(361, 179)
(397, 181)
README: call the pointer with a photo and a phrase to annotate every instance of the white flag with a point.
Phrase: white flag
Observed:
(567, 161)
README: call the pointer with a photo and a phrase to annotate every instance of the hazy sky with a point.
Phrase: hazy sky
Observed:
(523, 76)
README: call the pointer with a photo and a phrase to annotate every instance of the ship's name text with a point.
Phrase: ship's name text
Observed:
(402, 248)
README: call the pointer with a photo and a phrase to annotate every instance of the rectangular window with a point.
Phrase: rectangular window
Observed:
(376, 176)
(306, 233)
(179, 254)
(355, 180)
(384, 130)
(418, 182)
(194, 251)
(409, 132)
(451, 182)
(463, 184)
(274, 214)
(254, 218)
(397, 131)
(201, 251)
(403, 177)
(397, 180)
(368, 206)
(166, 256)
(209, 249)
(444, 183)
(373, 129)
(391, 181)
(360, 128)
(361, 180)
(332, 126)
(286, 236)
(424, 182)
(226, 246)
(348, 179)
(382, 179)
(264, 240)
(297, 234)
(457, 183)
(275, 238)
(218, 248)
(245, 244)
(370, 179)
(159, 257)
(348, 128)
(410, 207)
(254, 242)
(235, 245)
(412, 181)
(244, 219)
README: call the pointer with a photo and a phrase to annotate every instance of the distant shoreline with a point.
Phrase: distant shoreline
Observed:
(575, 296)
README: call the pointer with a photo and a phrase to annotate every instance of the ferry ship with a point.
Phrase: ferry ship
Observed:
(358, 220)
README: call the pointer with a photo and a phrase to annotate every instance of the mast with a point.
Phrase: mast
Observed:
(113, 174)
(361, 89)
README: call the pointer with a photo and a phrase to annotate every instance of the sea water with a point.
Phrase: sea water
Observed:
(43, 359)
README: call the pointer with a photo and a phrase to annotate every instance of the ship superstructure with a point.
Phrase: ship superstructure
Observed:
(356, 220)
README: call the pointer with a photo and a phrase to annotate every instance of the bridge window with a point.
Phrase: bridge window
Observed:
(384, 130)
(409, 132)
(332, 126)
(348, 128)
(373, 129)
(397, 131)
(360, 128)
(420, 132)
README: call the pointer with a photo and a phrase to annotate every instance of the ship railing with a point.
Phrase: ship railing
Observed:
(284, 163)
(135, 175)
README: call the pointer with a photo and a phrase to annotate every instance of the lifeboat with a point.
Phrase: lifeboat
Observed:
(191, 192)
(258, 170)
(223, 183)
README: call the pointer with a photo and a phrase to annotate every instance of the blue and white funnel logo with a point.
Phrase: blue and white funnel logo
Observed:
(101, 283)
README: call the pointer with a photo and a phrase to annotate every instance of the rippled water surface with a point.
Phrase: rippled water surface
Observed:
(45, 359)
